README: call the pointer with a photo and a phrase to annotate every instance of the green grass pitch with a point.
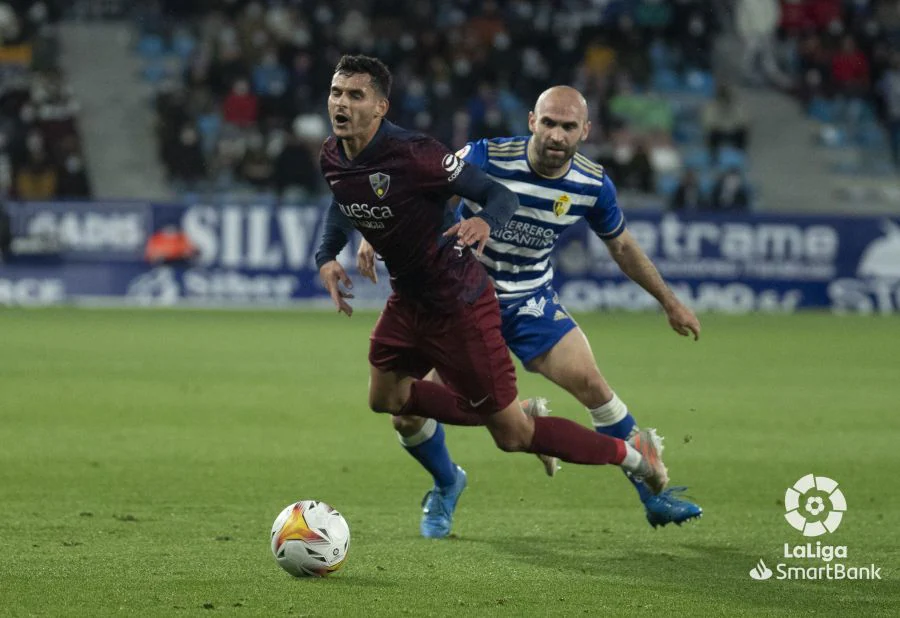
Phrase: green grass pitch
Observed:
(144, 455)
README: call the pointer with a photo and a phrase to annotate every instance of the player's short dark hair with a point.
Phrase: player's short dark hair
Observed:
(373, 67)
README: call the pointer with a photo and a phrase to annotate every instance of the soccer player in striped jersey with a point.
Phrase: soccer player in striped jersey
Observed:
(556, 187)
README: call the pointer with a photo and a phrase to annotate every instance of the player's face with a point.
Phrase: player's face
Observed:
(557, 130)
(354, 105)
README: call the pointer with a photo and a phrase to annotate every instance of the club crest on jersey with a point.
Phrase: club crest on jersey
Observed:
(561, 205)
(380, 184)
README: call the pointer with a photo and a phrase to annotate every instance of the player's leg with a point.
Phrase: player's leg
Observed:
(423, 438)
(570, 363)
(469, 352)
(514, 431)
(394, 367)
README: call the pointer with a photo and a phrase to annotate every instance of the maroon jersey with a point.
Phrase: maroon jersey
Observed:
(395, 193)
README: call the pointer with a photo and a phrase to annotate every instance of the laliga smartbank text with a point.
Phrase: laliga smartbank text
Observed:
(829, 571)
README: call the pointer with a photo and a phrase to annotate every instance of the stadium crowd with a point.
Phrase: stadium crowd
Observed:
(244, 107)
(840, 57)
(40, 149)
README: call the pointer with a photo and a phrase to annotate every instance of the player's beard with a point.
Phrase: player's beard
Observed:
(555, 156)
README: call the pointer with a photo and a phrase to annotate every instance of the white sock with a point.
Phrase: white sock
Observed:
(609, 413)
(424, 434)
(632, 459)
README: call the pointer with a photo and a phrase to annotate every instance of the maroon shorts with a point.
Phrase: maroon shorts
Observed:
(465, 347)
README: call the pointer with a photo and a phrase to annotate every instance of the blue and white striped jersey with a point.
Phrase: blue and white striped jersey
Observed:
(517, 257)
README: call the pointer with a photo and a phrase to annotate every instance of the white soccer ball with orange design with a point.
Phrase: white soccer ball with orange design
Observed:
(310, 539)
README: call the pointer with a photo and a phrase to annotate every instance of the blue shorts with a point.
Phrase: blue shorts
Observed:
(533, 325)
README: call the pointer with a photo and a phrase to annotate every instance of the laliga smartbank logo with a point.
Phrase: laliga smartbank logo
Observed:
(814, 506)
(806, 508)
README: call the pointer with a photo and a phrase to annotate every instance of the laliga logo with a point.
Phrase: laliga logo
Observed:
(806, 506)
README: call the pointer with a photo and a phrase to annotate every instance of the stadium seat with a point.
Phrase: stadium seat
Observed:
(707, 181)
(667, 184)
(697, 158)
(822, 110)
(209, 126)
(151, 46)
(700, 82)
(154, 71)
(183, 44)
(833, 136)
(661, 56)
(688, 132)
(731, 158)
(871, 136)
(666, 80)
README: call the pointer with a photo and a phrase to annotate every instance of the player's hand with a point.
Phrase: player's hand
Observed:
(333, 275)
(365, 261)
(474, 231)
(682, 320)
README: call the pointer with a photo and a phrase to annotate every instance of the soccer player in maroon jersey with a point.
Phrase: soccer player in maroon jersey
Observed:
(392, 185)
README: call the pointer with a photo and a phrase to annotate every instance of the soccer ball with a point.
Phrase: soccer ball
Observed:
(310, 539)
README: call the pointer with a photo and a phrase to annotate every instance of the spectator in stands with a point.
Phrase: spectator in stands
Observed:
(256, 167)
(6, 168)
(888, 15)
(241, 107)
(689, 196)
(815, 67)
(638, 172)
(296, 162)
(73, 179)
(187, 165)
(730, 193)
(890, 96)
(485, 113)
(228, 65)
(756, 22)
(632, 50)
(37, 179)
(5, 234)
(461, 76)
(9, 24)
(653, 16)
(724, 121)
(850, 69)
(693, 34)
(270, 83)
(228, 153)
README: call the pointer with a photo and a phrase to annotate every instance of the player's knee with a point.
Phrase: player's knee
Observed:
(407, 425)
(384, 403)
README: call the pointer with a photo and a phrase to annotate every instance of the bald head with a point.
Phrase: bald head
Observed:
(558, 124)
(562, 101)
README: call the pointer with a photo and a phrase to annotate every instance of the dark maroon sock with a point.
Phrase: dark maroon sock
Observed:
(574, 443)
(431, 400)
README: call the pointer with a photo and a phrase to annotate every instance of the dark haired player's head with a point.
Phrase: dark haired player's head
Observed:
(358, 99)
(559, 123)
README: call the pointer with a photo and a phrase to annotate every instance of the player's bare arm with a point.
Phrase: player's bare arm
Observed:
(639, 268)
